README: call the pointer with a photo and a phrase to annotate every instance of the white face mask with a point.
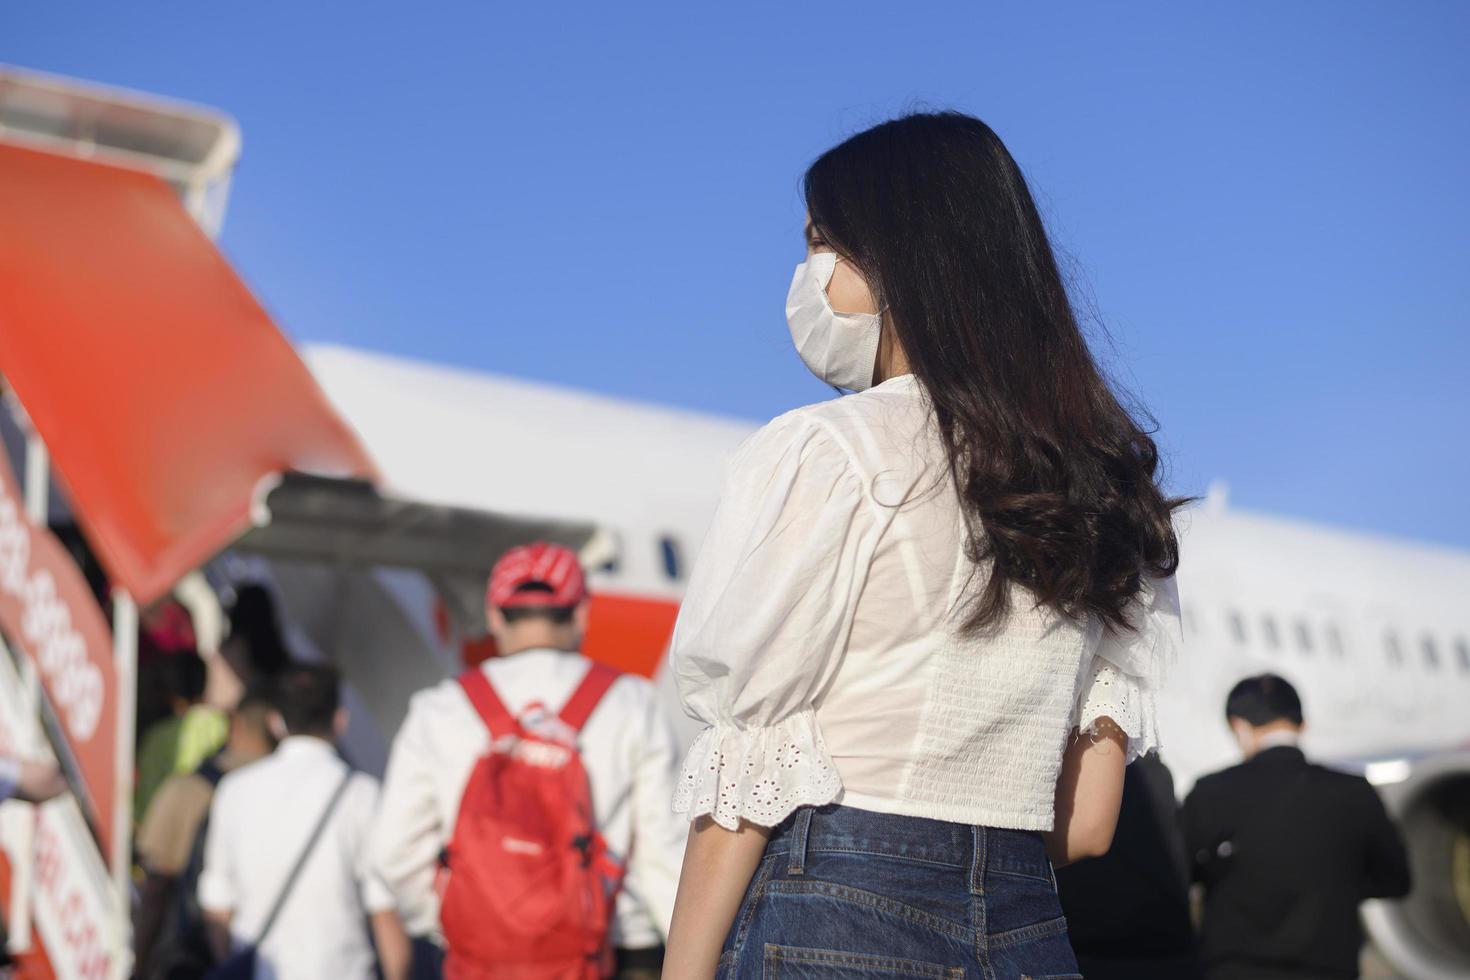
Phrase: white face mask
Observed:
(839, 348)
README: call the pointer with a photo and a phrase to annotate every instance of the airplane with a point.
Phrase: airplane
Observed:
(1374, 631)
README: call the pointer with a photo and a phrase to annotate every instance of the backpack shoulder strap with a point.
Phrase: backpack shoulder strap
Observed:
(210, 770)
(487, 703)
(589, 692)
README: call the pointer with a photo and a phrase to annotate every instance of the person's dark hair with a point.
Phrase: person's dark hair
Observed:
(253, 619)
(557, 615)
(255, 706)
(1056, 478)
(259, 693)
(308, 698)
(1263, 699)
(188, 676)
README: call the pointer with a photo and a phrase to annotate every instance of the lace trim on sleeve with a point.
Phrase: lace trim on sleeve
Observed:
(760, 774)
(1128, 669)
(1126, 700)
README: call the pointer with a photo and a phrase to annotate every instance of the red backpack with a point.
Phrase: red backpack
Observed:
(529, 887)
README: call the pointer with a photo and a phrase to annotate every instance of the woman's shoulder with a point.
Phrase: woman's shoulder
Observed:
(846, 424)
(797, 446)
(807, 426)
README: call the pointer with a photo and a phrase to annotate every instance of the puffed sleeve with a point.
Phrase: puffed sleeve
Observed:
(764, 622)
(1122, 679)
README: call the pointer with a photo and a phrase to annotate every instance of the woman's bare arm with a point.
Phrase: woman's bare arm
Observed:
(1089, 792)
(718, 866)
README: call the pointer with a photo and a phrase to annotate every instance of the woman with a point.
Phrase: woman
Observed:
(927, 622)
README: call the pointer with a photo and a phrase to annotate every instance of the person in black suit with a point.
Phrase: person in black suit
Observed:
(1286, 850)
(1128, 911)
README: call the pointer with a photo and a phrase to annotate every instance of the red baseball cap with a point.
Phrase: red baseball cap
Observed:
(550, 565)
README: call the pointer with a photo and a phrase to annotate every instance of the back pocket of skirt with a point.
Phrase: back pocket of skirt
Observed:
(794, 963)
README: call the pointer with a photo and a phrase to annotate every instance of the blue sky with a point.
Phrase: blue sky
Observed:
(1266, 203)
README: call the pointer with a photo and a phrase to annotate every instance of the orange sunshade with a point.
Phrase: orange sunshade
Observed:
(162, 388)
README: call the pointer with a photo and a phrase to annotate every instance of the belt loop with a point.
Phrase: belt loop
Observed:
(977, 860)
(796, 860)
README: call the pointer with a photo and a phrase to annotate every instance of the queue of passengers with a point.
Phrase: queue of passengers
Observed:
(298, 866)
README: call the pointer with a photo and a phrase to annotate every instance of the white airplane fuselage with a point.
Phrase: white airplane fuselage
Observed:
(1374, 632)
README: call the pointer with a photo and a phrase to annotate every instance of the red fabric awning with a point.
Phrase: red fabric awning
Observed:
(162, 388)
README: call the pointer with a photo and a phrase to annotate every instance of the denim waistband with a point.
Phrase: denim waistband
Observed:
(847, 829)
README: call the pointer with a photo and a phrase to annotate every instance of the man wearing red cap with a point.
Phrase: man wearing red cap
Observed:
(537, 609)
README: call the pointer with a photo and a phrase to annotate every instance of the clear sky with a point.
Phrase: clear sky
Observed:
(1266, 203)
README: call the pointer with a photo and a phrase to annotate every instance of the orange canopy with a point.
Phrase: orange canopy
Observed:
(162, 388)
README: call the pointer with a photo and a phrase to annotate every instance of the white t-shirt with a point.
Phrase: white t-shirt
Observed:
(259, 822)
(628, 751)
(819, 638)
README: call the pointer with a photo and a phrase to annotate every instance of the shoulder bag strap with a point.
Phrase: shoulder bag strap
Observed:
(585, 698)
(311, 842)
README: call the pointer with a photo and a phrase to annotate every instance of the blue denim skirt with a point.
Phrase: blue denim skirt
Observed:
(843, 892)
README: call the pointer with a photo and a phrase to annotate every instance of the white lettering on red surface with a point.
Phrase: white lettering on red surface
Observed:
(84, 945)
(46, 626)
(542, 755)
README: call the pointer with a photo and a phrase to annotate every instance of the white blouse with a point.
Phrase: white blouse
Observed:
(819, 638)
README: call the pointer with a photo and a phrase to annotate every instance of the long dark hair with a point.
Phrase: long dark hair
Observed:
(1057, 479)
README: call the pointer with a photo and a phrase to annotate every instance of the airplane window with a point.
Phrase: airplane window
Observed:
(1431, 653)
(673, 559)
(613, 564)
(1462, 652)
(1303, 636)
(1393, 649)
(1237, 627)
(1268, 629)
(1334, 642)
(609, 567)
